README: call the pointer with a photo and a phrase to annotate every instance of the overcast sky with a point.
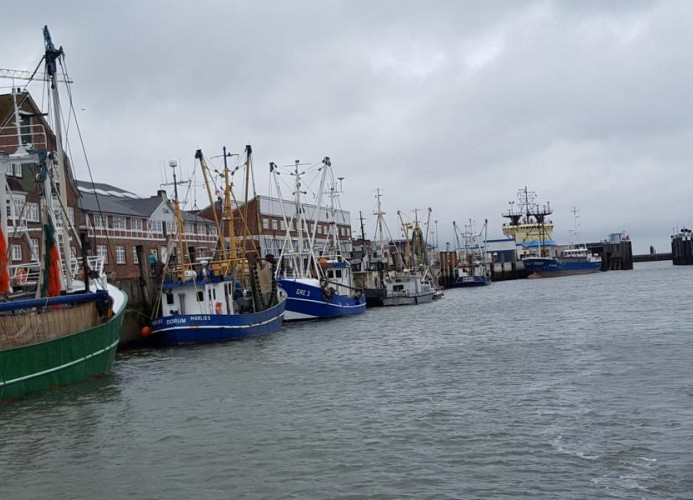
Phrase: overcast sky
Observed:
(452, 105)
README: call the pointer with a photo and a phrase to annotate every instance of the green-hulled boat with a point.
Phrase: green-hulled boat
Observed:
(54, 328)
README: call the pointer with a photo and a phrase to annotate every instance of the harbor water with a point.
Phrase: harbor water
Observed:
(578, 387)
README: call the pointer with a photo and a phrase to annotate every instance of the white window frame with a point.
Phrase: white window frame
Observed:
(120, 254)
(102, 251)
(16, 252)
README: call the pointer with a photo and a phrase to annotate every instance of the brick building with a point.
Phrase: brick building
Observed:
(116, 221)
(23, 132)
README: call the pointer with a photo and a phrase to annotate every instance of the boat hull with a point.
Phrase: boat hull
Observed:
(60, 361)
(469, 281)
(305, 300)
(374, 296)
(408, 300)
(205, 328)
(550, 268)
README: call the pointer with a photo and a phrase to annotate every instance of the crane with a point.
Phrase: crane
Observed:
(18, 74)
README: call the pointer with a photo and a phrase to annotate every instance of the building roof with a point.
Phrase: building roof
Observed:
(99, 197)
(110, 199)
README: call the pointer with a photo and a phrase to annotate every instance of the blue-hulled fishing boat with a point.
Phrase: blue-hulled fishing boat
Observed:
(313, 271)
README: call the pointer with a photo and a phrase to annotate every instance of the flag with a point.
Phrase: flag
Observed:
(51, 265)
(4, 266)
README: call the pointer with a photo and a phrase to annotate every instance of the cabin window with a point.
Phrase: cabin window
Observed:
(200, 296)
(214, 293)
(338, 273)
(14, 169)
(169, 298)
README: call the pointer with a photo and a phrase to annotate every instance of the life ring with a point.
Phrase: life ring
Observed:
(217, 307)
(20, 276)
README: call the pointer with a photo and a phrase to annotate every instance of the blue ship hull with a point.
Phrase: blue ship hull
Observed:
(466, 281)
(204, 328)
(307, 301)
(547, 268)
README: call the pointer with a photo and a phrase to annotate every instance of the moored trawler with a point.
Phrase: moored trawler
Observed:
(313, 271)
(55, 329)
(227, 294)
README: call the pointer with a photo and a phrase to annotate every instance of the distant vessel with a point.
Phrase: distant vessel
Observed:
(540, 256)
(528, 225)
(410, 281)
(315, 273)
(576, 259)
(228, 294)
(473, 268)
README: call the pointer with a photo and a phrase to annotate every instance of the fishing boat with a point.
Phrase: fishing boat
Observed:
(313, 270)
(473, 268)
(376, 260)
(225, 293)
(55, 328)
(410, 282)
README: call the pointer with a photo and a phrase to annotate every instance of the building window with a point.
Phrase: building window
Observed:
(274, 225)
(32, 212)
(34, 249)
(120, 254)
(156, 226)
(16, 252)
(135, 260)
(201, 229)
(118, 222)
(136, 224)
(265, 223)
(282, 226)
(102, 252)
(98, 221)
(189, 228)
(25, 128)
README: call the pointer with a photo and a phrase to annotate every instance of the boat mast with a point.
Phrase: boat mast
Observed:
(379, 223)
(221, 251)
(227, 213)
(180, 249)
(51, 56)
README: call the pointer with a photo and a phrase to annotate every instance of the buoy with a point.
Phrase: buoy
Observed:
(145, 331)
(20, 276)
